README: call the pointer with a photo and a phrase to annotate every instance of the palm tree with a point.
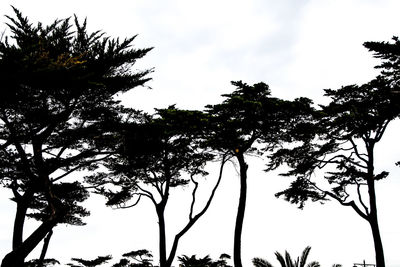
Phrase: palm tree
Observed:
(194, 262)
(287, 260)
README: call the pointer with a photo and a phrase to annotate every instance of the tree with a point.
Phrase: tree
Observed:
(342, 141)
(222, 261)
(42, 263)
(90, 263)
(156, 154)
(390, 55)
(141, 258)
(194, 262)
(287, 260)
(58, 88)
(247, 117)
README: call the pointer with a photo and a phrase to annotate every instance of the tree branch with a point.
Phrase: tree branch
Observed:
(194, 219)
(350, 204)
(360, 199)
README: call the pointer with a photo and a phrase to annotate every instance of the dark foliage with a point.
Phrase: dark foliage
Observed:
(250, 121)
(58, 85)
(91, 263)
(346, 133)
(155, 154)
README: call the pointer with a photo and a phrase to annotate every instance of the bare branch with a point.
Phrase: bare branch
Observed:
(196, 185)
(196, 217)
(360, 156)
(361, 200)
(147, 194)
(350, 204)
(381, 131)
(86, 163)
(132, 205)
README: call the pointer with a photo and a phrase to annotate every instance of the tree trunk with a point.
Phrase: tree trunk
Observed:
(379, 255)
(237, 257)
(18, 231)
(16, 257)
(19, 222)
(162, 237)
(373, 214)
(44, 249)
(373, 222)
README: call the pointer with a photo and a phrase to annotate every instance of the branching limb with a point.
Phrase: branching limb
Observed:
(196, 185)
(361, 200)
(346, 158)
(381, 131)
(147, 194)
(134, 204)
(86, 163)
(350, 204)
(197, 216)
(358, 154)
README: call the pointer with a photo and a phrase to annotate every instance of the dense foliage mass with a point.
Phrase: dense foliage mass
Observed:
(56, 112)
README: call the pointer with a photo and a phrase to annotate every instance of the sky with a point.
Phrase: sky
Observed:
(298, 47)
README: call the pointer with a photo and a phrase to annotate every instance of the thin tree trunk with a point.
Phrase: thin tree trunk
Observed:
(193, 219)
(237, 257)
(162, 237)
(373, 215)
(44, 249)
(373, 221)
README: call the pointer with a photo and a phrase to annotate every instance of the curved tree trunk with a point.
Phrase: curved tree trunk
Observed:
(237, 254)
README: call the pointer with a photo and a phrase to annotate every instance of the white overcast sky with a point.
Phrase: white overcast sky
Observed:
(298, 47)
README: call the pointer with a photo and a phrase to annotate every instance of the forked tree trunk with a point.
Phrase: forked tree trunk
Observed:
(237, 253)
(16, 257)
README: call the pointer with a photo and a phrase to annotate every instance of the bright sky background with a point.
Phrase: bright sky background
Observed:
(298, 47)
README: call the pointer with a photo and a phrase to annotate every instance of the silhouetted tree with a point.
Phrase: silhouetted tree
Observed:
(57, 102)
(222, 261)
(141, 257)
(286, 261)
(156, 154)
(247, 117)
(90, 263)
(41, 263)
(345, 136)
(389, 52)
(193, 261)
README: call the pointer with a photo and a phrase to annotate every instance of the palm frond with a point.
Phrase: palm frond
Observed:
(259, 262)
(314, 264)
(304, 256)
(281, 259)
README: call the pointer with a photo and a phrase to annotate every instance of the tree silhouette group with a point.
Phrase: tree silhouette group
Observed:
(59, 116)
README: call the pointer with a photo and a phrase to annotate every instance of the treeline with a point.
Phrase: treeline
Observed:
(59, 116)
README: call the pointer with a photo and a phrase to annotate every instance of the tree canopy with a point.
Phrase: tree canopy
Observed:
(155, 154)
(250, 120)
(58, 87)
